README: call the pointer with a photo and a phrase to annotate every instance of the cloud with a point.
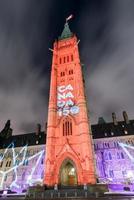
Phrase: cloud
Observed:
(107, 49)
(106, 31)
(22, 81)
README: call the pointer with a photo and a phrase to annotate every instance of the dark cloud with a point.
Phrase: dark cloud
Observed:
(108, 55)
(21, 79)
(28, 29)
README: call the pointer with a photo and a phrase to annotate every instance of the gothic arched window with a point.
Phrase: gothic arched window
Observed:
(72, 58)
(70, 71)
(62, 73)
(67, 126)
(122, 155)
(64, 59)
(67, 58)
(110, 156)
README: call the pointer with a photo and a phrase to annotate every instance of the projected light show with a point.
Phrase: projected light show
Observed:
(32, 174)
(65, 101)
(115, 166)
(86, 75)
(24, 171)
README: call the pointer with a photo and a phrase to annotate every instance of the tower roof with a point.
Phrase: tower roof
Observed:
(66, 33)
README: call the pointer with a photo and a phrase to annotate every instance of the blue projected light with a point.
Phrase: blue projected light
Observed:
(15, 156)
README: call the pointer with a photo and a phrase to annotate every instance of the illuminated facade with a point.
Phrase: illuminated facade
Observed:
(114, 157)
(22, 161)
(114, 152)
(69, 155)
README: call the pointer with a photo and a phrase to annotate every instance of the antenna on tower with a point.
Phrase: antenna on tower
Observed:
(69, 17)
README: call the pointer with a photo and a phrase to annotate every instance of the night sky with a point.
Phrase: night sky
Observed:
(29, 27)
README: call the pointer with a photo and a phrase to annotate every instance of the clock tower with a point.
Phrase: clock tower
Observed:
(69, 153)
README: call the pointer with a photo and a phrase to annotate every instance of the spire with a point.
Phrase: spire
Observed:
(101, 120)
(66, 33)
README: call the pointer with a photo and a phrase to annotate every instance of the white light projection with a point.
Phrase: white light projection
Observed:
(65, 101)
(125, 147)
(15, 156)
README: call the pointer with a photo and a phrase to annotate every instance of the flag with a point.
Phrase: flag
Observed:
(68, 18)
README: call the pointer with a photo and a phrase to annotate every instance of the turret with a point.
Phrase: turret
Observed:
(114, 119)
(125, 116)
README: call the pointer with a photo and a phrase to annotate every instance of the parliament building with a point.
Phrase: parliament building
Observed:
(70, 151)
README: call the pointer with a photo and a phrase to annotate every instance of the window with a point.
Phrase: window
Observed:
(67, 127)
(9, 163)
(70, 71)
(72, 58)
(25, 162)
(105, 156)
(110, 157)
(60, 61)
(42, 161)
(17, 162)
(64, 59)
(62, 73)
(111, 173)
(122, 155)
(6, 163)
(67, 58)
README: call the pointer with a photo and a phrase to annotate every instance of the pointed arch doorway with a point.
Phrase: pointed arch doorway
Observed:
(68, 173)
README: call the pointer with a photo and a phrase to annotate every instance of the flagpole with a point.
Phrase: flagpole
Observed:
(69, 17)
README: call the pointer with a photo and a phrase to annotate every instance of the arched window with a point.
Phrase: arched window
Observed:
(17, 162)
(105, 156)
(111, 173)
(110, 156)
(62, 73)
(67, 127)
(70, 71)
(60, 61)
(72, 58)
(122, 155)
(67, 58)
(7, 164)
(25, 162)
(64, 59)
